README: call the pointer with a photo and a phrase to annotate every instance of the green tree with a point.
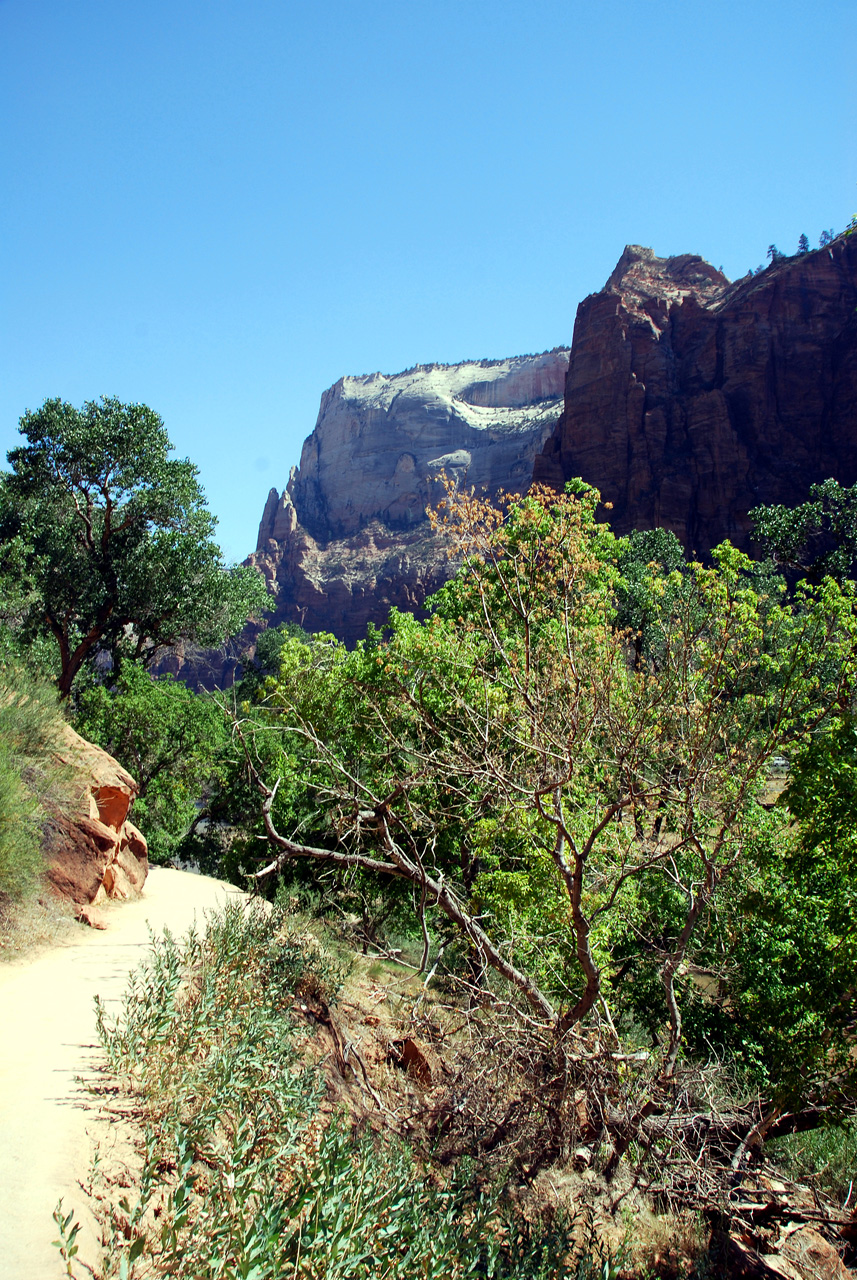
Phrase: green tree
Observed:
(169, 738)
(113, 540)
(266, 658)
(803, 244)
(649, 560)
(814, 539)
(579, 816)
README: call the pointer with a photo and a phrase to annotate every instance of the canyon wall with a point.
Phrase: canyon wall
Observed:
(690, 400)
(687, 400)
(348, 537)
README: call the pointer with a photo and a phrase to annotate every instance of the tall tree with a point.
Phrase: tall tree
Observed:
(581, 809)
(114, 539)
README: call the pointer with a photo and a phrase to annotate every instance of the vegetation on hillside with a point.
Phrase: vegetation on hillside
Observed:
(568, 775)
(247, 1174)
(30, 725)
(602, 804)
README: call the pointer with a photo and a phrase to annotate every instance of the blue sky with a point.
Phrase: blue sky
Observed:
(219, 207)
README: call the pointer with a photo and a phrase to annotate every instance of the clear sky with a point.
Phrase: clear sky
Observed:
(218, 207)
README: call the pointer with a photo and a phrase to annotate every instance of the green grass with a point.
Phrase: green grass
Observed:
(29, 727)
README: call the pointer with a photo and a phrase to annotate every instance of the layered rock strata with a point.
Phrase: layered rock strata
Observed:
(348, 538)
(690, 400)
(92, 851)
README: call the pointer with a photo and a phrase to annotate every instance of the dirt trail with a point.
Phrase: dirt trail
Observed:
(47, 1038)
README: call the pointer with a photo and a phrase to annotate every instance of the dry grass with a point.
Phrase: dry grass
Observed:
(30, 926)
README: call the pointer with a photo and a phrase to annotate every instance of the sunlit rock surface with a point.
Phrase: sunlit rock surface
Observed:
(348, 537)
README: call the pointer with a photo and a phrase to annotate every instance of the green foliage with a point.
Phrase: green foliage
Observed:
(266, 658)
(20, 854)
(169, 738)
(110, 541)
(596, 809)
(803, 934)
(770, 988)
(826, 1158)
(29, 730)
(822, 789)
(242, 1177)
(816, 538)
(650, 564)
(67, 1233)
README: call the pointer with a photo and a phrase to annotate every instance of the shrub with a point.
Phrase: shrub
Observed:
(244, 1176)
(168, 737)
(29, 727)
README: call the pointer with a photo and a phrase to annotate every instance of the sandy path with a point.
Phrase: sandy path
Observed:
(47, 1038)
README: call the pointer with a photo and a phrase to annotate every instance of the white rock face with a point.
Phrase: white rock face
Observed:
(348, 537)
(381, 441)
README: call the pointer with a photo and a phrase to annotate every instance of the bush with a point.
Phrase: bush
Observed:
(826, 1158)
(244, 1176)
(20, 852)
(169, 739)
(29, 729)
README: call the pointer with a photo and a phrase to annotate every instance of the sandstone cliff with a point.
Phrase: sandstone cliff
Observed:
(690, 400)
(348, 538)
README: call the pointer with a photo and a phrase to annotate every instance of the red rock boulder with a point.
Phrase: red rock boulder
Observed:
(92, 851)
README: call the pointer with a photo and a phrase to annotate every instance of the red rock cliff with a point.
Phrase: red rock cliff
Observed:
(690, 400)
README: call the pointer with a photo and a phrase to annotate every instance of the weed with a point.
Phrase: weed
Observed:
(68, 1231)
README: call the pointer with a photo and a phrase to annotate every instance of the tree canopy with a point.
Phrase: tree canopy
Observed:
(816, 538)
(110, 540)
(566, 765)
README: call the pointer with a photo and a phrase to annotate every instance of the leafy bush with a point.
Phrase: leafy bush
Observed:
(244, 1177)
(29, 727)
(168, 737)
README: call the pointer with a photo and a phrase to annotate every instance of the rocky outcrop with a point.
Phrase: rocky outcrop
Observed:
(690, 400)
(92, 851)
(349, 538)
